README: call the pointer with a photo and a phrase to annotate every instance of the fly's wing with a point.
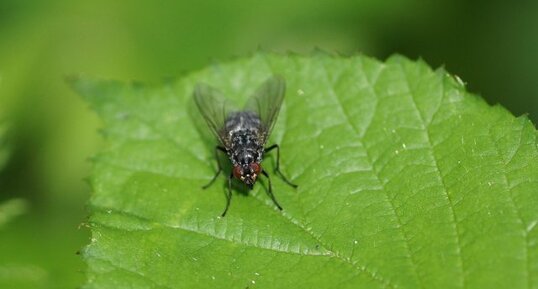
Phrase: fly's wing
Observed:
(214, 108)
(266, 102)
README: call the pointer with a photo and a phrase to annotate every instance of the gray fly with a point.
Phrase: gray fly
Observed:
(242, 134)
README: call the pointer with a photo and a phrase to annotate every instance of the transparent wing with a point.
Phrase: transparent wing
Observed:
(266, 102)
(214, 108)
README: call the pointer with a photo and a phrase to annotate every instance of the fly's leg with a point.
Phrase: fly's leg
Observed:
(277, 169)
(219, 168)
(228, 194)
(270, 191)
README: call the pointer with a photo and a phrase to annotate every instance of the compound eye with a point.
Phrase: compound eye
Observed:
(237, 172)
(256, 168)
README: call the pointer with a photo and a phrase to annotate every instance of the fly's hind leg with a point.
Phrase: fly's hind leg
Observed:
(277, 168)
(219, 168)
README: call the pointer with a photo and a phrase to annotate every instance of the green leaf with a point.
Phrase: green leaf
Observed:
(405, 181)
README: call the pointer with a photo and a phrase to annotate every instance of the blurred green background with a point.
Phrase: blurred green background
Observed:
(50, 133)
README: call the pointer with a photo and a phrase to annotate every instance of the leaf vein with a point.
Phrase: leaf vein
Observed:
(439, 175)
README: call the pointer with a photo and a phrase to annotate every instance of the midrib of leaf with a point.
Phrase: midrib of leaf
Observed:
(146, 225)
(330, 253)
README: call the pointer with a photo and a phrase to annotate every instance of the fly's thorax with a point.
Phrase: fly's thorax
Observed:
(245, 145)
(245, 148)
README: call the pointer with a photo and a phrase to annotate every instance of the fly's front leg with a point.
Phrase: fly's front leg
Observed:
(270, 191)
(219, 168)
(228, 194)
(277, 169)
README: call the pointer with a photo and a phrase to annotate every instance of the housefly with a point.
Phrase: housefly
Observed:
(242, 134)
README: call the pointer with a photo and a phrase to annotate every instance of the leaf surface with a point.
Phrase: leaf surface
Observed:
(405, 181)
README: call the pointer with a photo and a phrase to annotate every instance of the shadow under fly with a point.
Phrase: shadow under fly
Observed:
(243, 134)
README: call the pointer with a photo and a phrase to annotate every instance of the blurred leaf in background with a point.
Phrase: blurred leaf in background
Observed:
(11, 208)
(490, 44)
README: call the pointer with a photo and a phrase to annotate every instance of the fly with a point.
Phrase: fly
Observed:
(243, 134)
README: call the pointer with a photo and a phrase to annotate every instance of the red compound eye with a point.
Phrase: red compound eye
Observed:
(237, 172)
(256, 168)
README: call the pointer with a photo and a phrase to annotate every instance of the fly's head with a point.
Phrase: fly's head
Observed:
(247, 173)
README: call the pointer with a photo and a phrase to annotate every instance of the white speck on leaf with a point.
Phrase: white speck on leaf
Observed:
(300, 92)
